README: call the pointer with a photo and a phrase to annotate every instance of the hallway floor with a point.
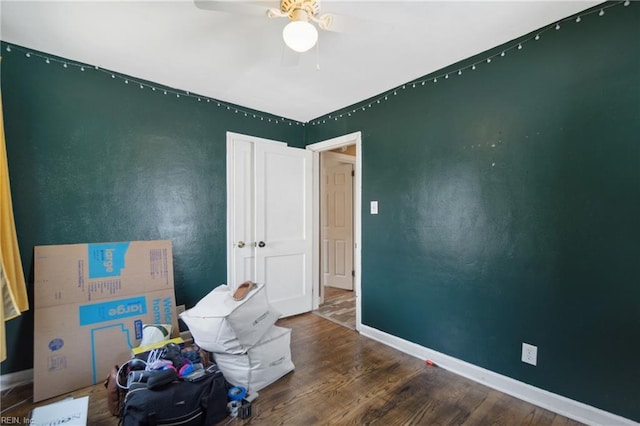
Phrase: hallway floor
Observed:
(339, 306)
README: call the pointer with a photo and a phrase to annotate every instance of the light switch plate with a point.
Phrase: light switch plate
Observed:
(374, 207)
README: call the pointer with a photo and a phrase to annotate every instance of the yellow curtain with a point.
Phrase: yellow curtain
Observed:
(14, 288)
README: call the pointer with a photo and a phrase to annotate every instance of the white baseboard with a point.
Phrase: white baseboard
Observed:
(14, 379)
(559, 404)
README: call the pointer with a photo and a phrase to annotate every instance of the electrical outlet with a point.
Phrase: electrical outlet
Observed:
(529, 354)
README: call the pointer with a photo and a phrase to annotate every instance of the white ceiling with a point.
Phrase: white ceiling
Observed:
(241, 58)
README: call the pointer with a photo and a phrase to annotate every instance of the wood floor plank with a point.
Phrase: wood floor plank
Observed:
(342, 378)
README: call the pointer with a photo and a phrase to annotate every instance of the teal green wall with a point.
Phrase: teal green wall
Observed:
(94, 159)
(509, 201)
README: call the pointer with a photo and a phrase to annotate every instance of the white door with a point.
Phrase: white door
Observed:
(269, 220)
(336, 217)
(283, 226)
(241, 210)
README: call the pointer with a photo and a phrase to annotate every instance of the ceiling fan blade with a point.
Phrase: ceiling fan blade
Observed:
(272, 12)
(330, 22)
(254, 8)
(347, 24)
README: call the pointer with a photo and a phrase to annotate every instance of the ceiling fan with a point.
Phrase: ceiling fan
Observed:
(300, 34)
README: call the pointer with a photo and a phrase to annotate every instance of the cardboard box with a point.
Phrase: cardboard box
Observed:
(91, 301)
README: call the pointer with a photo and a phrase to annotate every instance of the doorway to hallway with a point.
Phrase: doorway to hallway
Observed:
(339, 306)
(337, 207)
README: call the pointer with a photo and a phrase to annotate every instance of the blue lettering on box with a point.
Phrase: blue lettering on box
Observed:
(137, 326)
(106, 260)
(156, 311)
(168, 311)
(112, 310)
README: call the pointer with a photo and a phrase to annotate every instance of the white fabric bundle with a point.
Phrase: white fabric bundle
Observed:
(262, 365)
(220, 324)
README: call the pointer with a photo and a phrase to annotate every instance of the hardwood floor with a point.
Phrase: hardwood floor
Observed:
(344, 378)
(339, 306)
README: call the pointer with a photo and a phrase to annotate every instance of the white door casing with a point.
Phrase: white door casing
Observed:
(317, 148)
(336, 218)
(269, 204)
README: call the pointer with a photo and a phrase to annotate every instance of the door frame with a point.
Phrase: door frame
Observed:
(326, 145)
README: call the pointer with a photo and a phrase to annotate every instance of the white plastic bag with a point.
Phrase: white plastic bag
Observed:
(220, 324)
(262, 365)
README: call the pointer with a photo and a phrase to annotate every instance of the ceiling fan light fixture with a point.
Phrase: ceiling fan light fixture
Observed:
(300, 35)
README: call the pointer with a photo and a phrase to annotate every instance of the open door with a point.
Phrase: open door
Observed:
(336, 217)
(269, 219)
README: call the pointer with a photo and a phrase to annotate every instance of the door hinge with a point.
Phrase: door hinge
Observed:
(353, 273)
(353, 173)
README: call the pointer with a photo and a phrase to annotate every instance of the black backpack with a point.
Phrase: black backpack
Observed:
(202, 402)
